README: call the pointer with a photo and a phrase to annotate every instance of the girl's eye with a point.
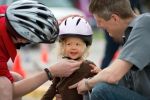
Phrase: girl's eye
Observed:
(68, 44)
(77, 44)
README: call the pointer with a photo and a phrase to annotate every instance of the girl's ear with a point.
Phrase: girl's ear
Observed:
(61, 48)
(86, 52)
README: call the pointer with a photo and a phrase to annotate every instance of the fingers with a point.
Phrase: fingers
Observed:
(73, 86)
(75, 68)
(80, 86)
(75, 64)
(82, 92)
(76, 86)
(95, 69)
(92, 65)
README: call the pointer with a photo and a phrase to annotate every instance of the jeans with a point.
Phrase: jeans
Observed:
(104, 91)
(87, 96)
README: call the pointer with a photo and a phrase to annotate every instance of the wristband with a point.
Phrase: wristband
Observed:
(87, 84)
(48, 73)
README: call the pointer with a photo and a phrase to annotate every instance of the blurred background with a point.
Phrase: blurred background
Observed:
(34, 58)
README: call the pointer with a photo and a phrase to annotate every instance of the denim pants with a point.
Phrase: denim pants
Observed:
(104, 91)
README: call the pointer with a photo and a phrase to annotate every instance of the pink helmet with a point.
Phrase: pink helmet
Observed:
(76, 26)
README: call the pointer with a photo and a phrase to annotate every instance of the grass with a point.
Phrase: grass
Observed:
(98, 34)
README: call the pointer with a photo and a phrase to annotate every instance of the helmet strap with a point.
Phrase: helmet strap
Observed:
(71, 58)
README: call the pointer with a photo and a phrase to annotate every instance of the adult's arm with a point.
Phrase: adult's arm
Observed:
(112, 74)
(59, 69)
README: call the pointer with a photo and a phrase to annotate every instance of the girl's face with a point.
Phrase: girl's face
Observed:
(74, 47)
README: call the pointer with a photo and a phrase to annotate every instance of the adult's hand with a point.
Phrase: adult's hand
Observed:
(64, 68)
(95, 69)
(81, 86)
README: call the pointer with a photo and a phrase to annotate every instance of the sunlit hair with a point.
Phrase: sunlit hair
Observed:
(105, 8)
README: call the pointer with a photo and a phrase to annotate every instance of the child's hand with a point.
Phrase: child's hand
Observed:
(95, 69)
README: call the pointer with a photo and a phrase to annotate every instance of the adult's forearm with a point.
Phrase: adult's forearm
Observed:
(111, 74)
(93, 81)
(26, 86)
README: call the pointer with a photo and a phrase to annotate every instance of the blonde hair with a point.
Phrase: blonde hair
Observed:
(61, 50)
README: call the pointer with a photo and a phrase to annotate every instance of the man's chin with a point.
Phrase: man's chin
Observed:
(116, 39)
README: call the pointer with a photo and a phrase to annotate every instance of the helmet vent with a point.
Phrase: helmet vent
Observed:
(78, 21)
(42, 15)
(66, 22)
(42, 8)
(40, 35)
(51, 30)
(76, 27)
(33, 21)
(23, 7)
(22, 17)
(40, 24)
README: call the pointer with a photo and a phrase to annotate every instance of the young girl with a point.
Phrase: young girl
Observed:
(75, 38)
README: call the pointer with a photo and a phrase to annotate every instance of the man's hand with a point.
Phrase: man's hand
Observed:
(64, 68)
(95, 69)
(81, 86)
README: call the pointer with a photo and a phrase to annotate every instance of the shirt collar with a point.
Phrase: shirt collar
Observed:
(132, 23)
(129, 28)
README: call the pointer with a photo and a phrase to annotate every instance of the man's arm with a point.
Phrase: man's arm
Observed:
(111, 74)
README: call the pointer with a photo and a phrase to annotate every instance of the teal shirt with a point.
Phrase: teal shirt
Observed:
(136, 50)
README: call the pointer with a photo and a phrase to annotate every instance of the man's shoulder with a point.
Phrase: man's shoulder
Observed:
(143, 16)
(143, 20)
